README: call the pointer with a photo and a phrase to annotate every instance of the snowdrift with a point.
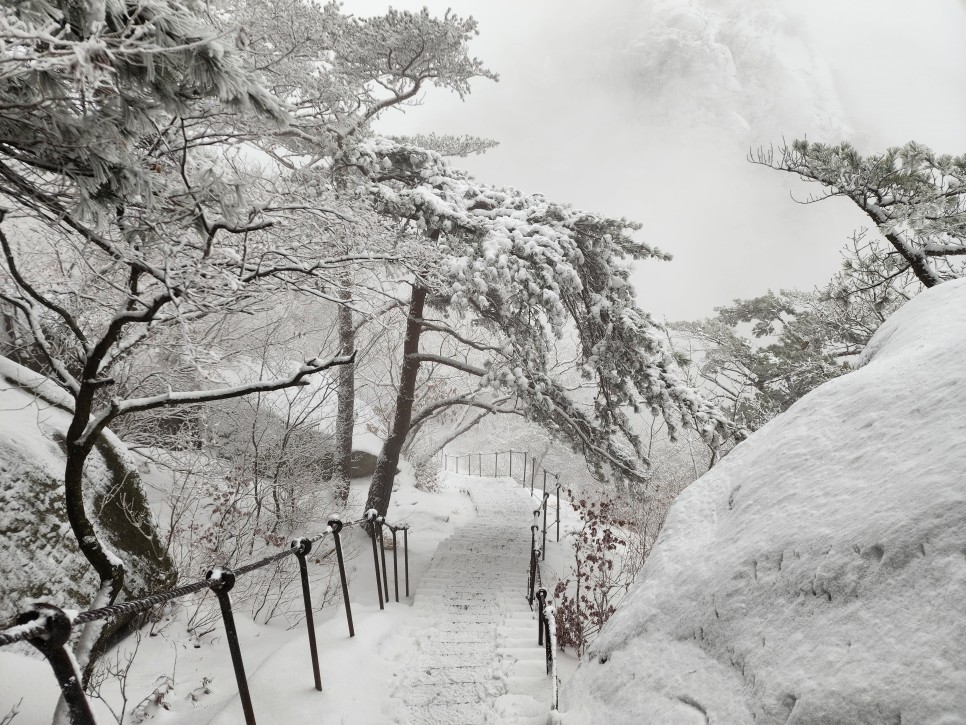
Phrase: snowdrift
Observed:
(818, 574)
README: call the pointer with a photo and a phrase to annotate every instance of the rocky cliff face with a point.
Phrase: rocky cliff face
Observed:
(39, 558)
(817, 574)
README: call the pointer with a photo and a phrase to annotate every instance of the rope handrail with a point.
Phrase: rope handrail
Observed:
(27, 631)
(48, 628)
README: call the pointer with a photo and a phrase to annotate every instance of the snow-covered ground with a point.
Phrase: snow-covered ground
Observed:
(467, 646)
(818, 573)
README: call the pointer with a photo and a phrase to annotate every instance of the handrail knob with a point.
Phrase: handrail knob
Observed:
(222, 579)
(302, 546)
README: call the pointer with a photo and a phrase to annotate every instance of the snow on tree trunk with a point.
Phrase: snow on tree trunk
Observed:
(345, 392)
(380, 490)
(109, 568)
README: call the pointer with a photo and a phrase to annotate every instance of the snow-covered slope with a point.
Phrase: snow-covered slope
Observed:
(818, 574)
(39, 557)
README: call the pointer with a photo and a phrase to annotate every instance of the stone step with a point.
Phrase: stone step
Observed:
(533, 686)
(519, 630)
(454, 693)
(536, 667)
(524, 706)
(460, 673)
(526, 651)
(448, 714)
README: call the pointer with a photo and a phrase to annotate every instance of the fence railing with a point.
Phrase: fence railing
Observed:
(546, 617)
(530, 473)
(527, 474)
(48, 628)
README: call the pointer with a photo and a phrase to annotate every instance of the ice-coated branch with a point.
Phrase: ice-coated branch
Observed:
(191, 397)
(446, 330)
(31, 291)
(492, 406)
(450, 362)
(67, 380)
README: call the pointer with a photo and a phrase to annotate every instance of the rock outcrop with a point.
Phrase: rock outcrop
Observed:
(818, 573)
(39, 557)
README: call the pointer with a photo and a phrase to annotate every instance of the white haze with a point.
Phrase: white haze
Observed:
(648, 110)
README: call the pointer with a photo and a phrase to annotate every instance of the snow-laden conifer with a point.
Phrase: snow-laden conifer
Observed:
(525, 273)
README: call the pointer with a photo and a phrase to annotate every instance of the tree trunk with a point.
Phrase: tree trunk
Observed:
(345, 393)
(380, 490)
(109, 569)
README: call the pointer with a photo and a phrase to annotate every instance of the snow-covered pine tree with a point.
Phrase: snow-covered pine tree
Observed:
(115, 125)
(338, 74)
(915, 197)
(525, 272)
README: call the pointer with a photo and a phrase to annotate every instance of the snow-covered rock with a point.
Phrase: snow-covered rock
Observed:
(39, 556)
(818, 573)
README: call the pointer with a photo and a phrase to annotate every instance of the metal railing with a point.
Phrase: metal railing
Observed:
(546, 614)
(48, 628)
(527, 474)
(531, 474)
(376, 525)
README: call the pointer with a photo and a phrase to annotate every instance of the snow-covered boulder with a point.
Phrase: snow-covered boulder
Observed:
(39, 557)
(818, 573)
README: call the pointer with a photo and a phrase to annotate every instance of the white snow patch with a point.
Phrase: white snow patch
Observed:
(818, 573)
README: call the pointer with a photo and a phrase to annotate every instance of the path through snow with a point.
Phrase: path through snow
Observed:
(476, 658)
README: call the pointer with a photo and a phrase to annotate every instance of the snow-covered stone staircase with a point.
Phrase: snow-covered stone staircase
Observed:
(477, 659)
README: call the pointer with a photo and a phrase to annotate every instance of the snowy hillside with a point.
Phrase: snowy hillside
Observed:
(39, 557)
(817, 574)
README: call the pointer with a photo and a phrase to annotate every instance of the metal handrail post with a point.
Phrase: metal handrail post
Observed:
(382, 548)
(558, 508)
(532, 581)
(52, 645)
(375, 555)
(303, 547)
(542, 602)
(546, 497)
(335, 525)
(406, 554)
(395, 562)
(223, 580)
(550, 616)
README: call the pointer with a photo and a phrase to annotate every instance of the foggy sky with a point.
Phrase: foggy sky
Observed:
(648, 110)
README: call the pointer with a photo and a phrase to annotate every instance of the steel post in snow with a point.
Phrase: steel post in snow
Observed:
(382, 548)
(223, 581)
(406, 555)
(336, 526)
(543, 549)
(395, 563)
(558, 508)
(542, 603)
(375, 560)
(52, 645)
(303, 547)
